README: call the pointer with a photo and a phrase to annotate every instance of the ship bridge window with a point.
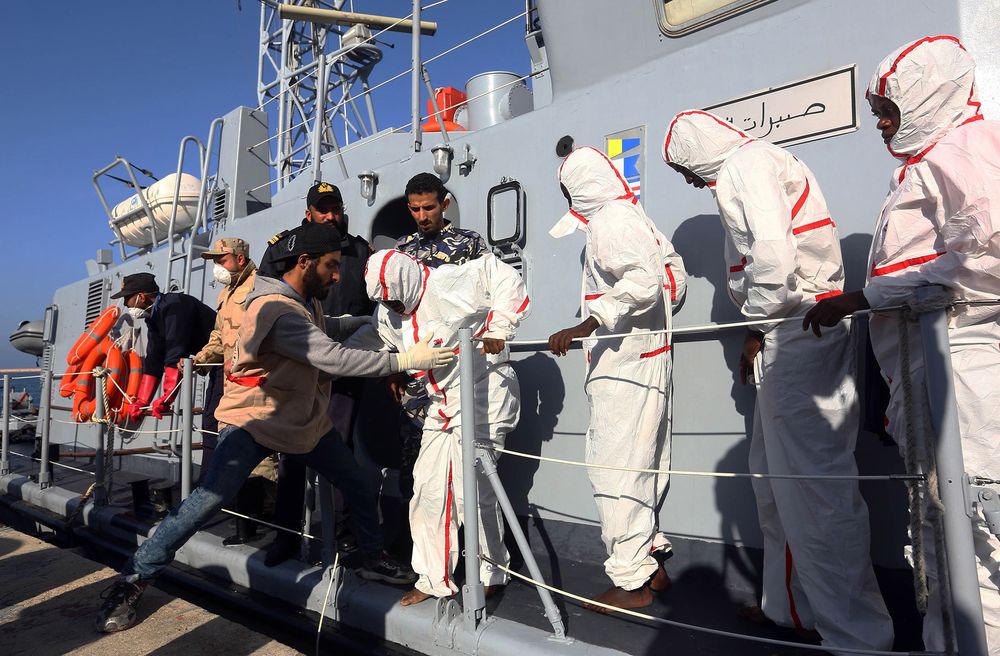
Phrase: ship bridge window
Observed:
(680, 17)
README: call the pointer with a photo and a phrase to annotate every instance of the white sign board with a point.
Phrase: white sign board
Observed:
(817, 107)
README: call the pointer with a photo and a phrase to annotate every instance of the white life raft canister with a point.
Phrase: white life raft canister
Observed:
(132, 222)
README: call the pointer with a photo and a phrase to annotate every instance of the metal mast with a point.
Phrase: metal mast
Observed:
(288, 79)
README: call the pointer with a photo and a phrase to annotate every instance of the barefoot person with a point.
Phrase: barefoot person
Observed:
(632, 276)
(782, 256)
(417, 302)
(939, 226)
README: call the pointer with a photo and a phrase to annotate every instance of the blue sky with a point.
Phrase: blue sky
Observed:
(132, 77)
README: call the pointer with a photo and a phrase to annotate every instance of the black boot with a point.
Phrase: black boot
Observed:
(285, 546)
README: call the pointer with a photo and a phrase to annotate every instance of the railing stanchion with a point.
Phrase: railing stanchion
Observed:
(5, 444)
(44, 411)
(100, 452)
(187, 425)
(415, 78)
(488, 465)
(953, 483)
(473, 594)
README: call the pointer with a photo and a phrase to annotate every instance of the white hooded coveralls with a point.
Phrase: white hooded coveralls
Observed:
(489, 297)
(940, 225)
(631, 276)
(782, 255)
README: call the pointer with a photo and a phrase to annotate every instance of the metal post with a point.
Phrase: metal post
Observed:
(308, 505)
(328, 515)
(187, 424)
(434, 105)
(44, 410)
(953, 483)
(5, 444)
(319, 108)
(473, 594)
(415, 77)
(100, 452)
(488, 465)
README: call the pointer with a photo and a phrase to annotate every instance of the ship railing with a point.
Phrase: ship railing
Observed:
(417, 72)
(957, 492)
(962, 606)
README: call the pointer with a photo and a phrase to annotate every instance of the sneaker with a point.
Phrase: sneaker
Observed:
(118, 610)
(385, 568)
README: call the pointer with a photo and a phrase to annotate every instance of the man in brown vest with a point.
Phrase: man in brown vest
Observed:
(280, 375)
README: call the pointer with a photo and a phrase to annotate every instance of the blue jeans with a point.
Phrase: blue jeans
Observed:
(235, 457)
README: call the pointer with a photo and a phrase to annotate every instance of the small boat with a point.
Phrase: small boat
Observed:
(28, 338)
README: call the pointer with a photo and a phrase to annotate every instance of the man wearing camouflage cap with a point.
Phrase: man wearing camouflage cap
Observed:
(235, 271)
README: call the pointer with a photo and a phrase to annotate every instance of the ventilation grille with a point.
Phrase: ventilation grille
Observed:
(219, 201)
(95, 298)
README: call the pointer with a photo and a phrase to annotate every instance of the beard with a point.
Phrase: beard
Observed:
(315, 286)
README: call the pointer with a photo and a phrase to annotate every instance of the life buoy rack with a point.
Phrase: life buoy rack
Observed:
(90, 338)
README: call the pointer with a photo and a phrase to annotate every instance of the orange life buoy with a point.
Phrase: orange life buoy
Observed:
(83, 396)
(92, 336)
(134, 369)
(68, 379)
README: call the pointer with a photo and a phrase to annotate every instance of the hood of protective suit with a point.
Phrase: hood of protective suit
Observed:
(701, 142)
(592, 181)
(394, 276)
(933, 82)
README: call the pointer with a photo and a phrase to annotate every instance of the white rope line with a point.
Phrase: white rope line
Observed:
(274, 526)
(52, 462)
(714, 327)
(703, 629)
(684, 472)
(347, 52)
(206, 432)
(37, 376)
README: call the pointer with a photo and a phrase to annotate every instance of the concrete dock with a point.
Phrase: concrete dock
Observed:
(49, 598)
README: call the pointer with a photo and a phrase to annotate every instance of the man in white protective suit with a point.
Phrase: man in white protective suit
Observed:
(782, 255)
(489, 297)
(939, 225)
(632, 277)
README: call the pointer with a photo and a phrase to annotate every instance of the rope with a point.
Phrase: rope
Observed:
(334, 582)
(682, 472)
(703, 629)
(274, 526)
(925, 508)
(84, 498)
(53, 463)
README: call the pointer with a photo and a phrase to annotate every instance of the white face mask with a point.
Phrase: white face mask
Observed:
(222, 275)
(138, 313)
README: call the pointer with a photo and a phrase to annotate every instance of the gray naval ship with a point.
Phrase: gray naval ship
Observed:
(605, 74)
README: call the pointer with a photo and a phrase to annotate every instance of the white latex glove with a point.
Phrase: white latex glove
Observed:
(422, 356)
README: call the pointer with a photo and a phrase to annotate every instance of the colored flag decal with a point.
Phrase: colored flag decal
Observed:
(624, 154)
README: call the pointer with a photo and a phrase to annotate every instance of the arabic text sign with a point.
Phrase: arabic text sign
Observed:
(814, 108)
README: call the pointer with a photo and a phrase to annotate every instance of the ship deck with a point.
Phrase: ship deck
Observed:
(698, 596)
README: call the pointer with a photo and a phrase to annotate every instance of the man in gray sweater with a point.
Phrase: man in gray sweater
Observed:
(281, 369)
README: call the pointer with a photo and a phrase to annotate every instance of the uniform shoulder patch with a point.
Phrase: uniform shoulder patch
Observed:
(278, 237)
